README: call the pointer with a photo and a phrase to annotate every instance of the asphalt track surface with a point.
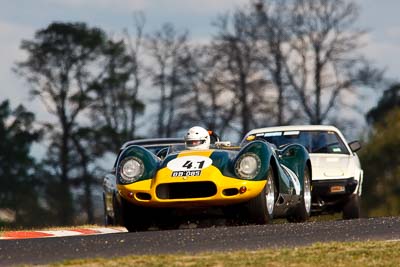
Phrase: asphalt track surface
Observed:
(49, 250)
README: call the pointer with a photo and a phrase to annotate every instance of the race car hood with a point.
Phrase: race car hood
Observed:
(192, 162)
(331, 166)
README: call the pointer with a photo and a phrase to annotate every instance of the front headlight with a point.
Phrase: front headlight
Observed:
(248, 166)
(131, 169)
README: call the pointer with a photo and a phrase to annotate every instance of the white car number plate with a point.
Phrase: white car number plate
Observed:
(188, 166)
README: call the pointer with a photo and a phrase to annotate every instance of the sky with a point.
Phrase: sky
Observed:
(19, 19)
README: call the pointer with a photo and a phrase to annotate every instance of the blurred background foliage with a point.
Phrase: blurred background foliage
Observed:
(379, 156)
(272, 62)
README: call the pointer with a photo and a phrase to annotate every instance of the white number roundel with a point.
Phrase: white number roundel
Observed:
(189, 163)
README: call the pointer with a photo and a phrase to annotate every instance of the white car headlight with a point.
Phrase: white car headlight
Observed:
(248, 166)
(132, 168)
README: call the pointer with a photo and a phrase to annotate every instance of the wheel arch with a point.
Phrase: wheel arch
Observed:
(274, 166)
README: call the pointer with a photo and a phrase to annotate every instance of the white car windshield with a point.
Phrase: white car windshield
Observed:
(326, 142)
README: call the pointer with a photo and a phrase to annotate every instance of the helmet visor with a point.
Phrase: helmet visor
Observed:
(194, 143)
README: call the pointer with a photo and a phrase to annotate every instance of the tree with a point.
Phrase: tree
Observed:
(323, 64)
(273, 21)
(83, 162)
(212, 106)
(116, 104)
(170, 52)
(114, 110)
(389, 101)
(137, 69)
(65, 62)
(237, 54)
(19, 183)
(381, 168)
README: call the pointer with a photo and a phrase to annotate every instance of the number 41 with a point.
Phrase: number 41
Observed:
(189, 164)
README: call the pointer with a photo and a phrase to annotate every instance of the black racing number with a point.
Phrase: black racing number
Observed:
(189, 164)
(201, 163)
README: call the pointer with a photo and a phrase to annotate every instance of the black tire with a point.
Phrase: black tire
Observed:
(108, 220)
(166, 219)
(302, 211)
(134, 218)
(235, 214)
(351, 210)
(117, 212)
(261, 208)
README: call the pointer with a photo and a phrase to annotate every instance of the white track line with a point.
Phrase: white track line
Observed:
(60, 233)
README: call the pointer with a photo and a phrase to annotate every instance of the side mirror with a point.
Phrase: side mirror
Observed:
(355, 146)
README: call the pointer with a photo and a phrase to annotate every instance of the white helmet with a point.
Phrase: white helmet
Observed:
(197, 138)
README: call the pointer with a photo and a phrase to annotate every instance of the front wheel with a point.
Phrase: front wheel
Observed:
(302, 211)
(134, 218)
(351, 209)
(261, 208)
(108, 220)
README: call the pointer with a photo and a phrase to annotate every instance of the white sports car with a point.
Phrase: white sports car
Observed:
(336, 171)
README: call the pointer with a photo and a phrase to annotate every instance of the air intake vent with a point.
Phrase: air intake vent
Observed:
(143, 196)
(230, 192)
(186, 190)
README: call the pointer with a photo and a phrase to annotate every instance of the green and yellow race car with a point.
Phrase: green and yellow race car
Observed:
(153, 182)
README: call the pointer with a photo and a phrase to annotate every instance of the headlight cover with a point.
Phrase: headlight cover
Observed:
(248, 166)
(131, 169)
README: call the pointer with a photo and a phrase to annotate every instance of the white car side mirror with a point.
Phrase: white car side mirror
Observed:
(355, 146)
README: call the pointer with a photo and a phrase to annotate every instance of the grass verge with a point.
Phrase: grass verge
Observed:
(376, 253)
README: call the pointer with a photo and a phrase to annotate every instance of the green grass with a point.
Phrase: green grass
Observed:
(377, 253)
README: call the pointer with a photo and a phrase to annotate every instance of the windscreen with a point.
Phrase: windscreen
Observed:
(157, 149)
(314, 141)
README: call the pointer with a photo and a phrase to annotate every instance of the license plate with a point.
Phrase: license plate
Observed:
(337, 189)
(185, 173)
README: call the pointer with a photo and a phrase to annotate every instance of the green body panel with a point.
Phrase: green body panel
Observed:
(150, 161)
(285, 184)
(266, 154)
(263, 150)
(167, 159)
(224, 160)
(295, 157)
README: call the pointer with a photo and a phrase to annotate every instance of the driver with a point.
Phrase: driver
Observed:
(197, 138)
